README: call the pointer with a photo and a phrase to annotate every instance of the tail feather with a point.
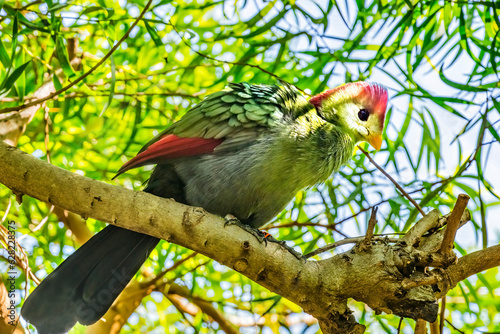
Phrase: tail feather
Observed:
(84, 286)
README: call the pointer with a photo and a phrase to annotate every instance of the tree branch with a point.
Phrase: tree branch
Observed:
(454, 224)
(321, 288)
(469, 265)
(346, 241)
(370, 229)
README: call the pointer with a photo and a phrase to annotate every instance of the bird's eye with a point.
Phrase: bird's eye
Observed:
(363, 115)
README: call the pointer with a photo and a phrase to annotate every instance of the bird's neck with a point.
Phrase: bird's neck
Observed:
(318, 148)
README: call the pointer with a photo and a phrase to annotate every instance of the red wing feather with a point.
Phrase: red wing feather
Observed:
(171, 147)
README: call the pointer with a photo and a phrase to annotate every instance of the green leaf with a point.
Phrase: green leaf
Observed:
(259, 16)
(496, 104)
(276, 299)
(92, 9)
(110, 11)
(58, 6)
(21, 81)
(12, 78)
(464, 39)
(15, 28)
(62, 56)
(113, 79)
(4, 56)
(57, 83)
(112, 87)
(154, 35)
(460, 86)
(22, 20)
(266, 27)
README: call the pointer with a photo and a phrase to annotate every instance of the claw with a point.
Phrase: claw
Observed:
(261, 236)
(282, 243)
(231, 220)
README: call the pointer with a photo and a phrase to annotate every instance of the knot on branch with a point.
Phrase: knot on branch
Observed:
(341, 322)
(390, 275)
(401, 260)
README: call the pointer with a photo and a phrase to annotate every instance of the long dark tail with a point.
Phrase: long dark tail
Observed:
(84, 286)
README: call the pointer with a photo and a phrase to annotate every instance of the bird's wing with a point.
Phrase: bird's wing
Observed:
(223, 121)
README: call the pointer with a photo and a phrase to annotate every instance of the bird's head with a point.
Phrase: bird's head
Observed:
(358, 107)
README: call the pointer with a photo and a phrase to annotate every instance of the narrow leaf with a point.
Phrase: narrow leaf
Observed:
(11, 80)
(62, 55)
(459, 86)
(154, 35)
(4, 56)
(112, 88)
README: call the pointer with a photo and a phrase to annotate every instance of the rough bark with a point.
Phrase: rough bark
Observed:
(388, 277)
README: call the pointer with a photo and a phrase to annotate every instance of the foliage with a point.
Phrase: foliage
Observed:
(439, 60)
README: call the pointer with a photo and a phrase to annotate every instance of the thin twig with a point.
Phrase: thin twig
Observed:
(22, 261)
(420, 327)
(173, 267)
(399, 325)
(47, 133)
(458, 330)
(435, 327)
(306, 224)
(441, 315)
(453, 224)
(204, 305)
(477, 157)
(73, 95)
(44, 220)
(405, 194)
(334, 225)
(386, 200)
(81, 78)
(182, 310)
(7, 210)
(371, 226)
(345, 242)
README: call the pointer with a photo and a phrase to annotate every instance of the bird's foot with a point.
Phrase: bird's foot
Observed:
(261, 236)
(283, 244)
(258, 234)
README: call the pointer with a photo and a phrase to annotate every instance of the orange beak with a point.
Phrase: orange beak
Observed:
(375, 141)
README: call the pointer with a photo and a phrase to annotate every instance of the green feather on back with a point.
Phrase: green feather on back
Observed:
(239, 113)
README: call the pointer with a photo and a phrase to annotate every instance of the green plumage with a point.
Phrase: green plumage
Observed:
(239, 106)
(275, 143)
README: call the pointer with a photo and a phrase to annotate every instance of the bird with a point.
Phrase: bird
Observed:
(244, 151)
